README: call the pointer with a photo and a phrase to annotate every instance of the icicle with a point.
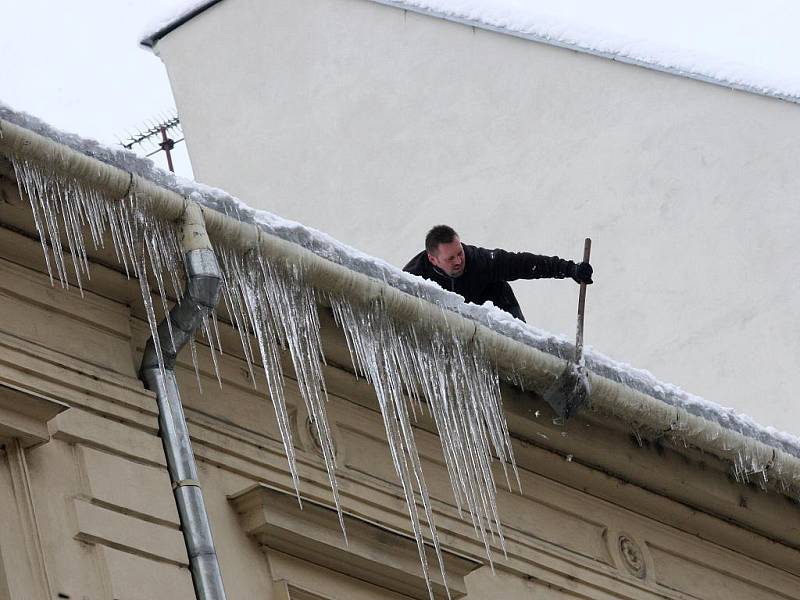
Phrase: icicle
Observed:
(63, 208)
(280, 310)
(294, 316)
(463, 396)
(156, 261)
(210, 338)
(231, 295)
(25, 182)
(193, 346)
(374, 347)
(144, 287)
(217, 337)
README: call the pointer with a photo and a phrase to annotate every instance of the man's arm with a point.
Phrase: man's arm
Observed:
(509, 266)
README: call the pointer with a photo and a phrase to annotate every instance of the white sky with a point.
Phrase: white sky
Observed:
(78, 65)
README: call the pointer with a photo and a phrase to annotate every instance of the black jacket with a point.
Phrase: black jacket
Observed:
(487, 273)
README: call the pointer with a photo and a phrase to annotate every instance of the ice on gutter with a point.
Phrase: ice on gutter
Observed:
(327, 247)
(521, 19)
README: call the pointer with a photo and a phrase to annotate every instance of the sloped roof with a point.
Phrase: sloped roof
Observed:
(523, 20)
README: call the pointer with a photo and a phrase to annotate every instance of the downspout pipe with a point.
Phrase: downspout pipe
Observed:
(199, 299)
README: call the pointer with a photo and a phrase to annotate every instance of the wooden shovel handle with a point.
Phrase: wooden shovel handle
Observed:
(587, 249)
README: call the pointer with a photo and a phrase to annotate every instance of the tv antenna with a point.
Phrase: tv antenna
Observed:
(157, 134)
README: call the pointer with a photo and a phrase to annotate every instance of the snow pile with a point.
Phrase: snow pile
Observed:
(327, 247)
(525, 19)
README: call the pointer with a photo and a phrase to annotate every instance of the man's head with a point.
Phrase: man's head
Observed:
(445, 251)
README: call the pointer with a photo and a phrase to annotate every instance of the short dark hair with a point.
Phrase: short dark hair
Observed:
(440, 234)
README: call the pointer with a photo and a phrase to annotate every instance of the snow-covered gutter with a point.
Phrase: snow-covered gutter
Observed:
(649, 407)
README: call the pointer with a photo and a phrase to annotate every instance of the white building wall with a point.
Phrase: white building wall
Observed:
(373, 124)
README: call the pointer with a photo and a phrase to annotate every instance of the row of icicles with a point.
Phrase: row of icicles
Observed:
(275, 311)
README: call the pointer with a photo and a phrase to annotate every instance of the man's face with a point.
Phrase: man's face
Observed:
(449, 258)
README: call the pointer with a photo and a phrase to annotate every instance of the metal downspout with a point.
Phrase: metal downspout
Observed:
(199, 298)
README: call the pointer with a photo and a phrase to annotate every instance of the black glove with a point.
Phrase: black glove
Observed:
(582, 273)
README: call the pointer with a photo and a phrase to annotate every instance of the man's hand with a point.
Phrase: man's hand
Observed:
(583, 273)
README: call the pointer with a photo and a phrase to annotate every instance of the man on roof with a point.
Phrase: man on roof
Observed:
(479, 274)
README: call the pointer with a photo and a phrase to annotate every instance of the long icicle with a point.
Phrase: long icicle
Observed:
(463, 395)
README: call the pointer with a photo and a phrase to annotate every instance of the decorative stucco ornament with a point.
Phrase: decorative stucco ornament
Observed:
(632, 556)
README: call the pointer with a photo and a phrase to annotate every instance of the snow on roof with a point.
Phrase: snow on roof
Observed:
(523, 19)
(327, 247)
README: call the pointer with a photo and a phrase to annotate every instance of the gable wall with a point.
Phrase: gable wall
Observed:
(372, 124)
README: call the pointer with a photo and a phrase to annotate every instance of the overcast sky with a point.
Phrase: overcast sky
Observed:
(78, 65)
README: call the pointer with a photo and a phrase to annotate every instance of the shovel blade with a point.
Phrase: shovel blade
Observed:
(569, 392)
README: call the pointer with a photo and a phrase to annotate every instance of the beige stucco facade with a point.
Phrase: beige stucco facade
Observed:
(87, 510)
(373, 123)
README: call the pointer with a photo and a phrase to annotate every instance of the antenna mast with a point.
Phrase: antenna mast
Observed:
(158, 129)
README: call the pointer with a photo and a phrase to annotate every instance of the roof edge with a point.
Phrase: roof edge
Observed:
(153, 34)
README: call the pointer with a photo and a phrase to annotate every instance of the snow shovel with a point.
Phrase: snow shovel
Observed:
(571, 388)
